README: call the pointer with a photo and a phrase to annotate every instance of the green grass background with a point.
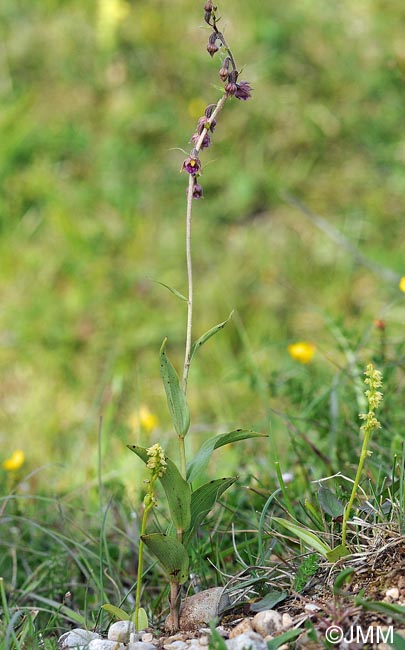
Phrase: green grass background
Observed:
(92, 207)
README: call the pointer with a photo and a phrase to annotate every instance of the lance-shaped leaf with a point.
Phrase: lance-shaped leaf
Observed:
(329, 502)
(176, 399)
(172, 290)
(203, 500)
(200, 461)
(171, 554)
(307, 536)
(177, 490)
(211, 332)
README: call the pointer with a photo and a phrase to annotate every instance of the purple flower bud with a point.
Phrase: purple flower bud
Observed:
(212, 46)
(209, 110)
(203, 123)
(197, 190)
(205, 142)
(243, 90)
(224, 70)
(192, 164)
(207, 17)
(231, 88)
(208, 6)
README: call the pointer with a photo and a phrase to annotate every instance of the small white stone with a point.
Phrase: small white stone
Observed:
(267, 622)
(243, 626)
(247, 640)
(134, 637)
(311, 607)
(176, 645)
(105, 644)
(140, 645)
(286, 621)
(76, 638)
(120, 631)
(393, 593)
(147, 638)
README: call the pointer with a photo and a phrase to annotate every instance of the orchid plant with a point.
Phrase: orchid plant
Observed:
(188, 507)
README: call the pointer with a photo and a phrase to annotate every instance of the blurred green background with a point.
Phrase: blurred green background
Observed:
(97, 98)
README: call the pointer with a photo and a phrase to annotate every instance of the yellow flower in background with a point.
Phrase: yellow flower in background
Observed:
(110, 13)
(15, 461)
(144, 419)
(402, 283)
(196, 107)
(302, 351)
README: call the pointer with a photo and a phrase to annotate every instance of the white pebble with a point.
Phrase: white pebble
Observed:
(267, 622)
(393, 593)
(120, 631)
(247, 640)
(105, 644)
(75, 638)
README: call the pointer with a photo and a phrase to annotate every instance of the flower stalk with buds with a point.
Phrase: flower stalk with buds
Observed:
(374, 398)
(156, 465)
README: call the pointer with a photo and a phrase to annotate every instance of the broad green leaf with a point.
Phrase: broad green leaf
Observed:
(174, 291)
(268, 601)
(282, 639)
(176, 400)
(338, 552)
(344, 576)
(329, 502)
(307, 536)
(211, 332)
(119, 613)
(142, 619)
(177, 490)
(200, 461)
(171, 554)
(203, 499)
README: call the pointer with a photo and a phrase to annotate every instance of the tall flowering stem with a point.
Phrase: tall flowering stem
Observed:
(374, 398)
(201, 139)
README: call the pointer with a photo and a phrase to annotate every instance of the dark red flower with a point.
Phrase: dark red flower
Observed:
(243, 90)
(192, 164)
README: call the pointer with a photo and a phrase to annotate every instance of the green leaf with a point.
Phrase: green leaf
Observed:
(211, 332)
(269, 601)
(307, 536)
(200, 461)
(337, 553)
(286, 637)
(203, 499)
(344, 576)
(388, 609)
(174, 291)
(329, 502)
(117, 612)
(142, 619)
(177, 490)
(176, 400)
(398, 642)
(171, 554)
